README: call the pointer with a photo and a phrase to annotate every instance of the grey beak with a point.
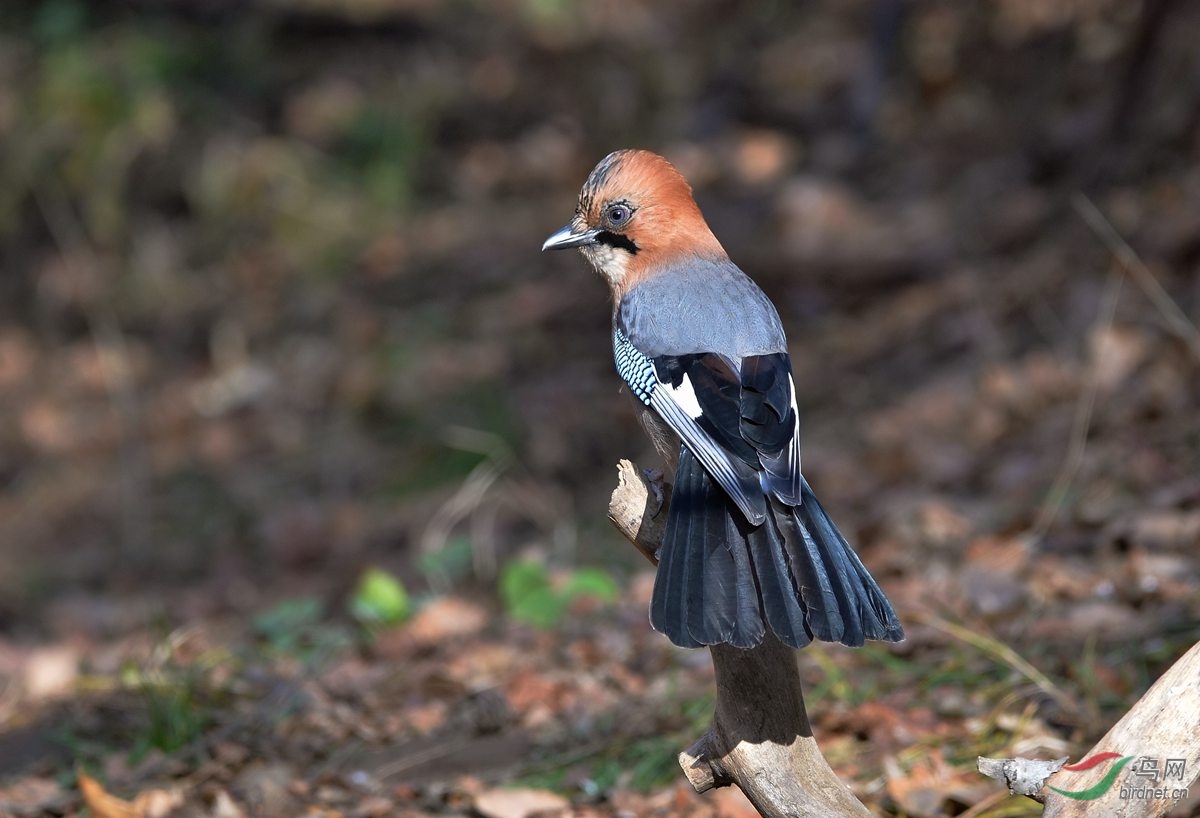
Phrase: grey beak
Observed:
(567, 237)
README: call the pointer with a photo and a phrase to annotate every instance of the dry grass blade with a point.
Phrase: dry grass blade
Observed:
(108, 338)
(1077, 445)
(431, 753)
(999, 651)
(1177, 321)
(469, 499)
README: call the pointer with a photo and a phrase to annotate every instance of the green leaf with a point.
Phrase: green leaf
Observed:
(591, 582)
(529, 597)
(380, 599)
(520, 579)
(540, 607)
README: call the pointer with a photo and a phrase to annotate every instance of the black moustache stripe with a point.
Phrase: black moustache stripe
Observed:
(611, 239)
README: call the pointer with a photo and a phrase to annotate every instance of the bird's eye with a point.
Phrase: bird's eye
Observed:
(618, 214)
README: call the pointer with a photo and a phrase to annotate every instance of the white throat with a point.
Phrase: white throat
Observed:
(610, 262)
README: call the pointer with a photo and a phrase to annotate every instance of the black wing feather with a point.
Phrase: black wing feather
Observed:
(748, 411)
(727, 570)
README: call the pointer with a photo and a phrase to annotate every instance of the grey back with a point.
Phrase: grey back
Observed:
(707, 305)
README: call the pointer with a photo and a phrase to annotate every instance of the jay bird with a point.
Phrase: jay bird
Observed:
(701, 347)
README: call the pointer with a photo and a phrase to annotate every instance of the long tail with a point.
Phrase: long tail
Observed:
(721, 580)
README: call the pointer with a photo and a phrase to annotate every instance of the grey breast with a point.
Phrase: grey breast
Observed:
(705, 305)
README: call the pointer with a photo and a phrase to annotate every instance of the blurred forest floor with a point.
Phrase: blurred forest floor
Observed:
(306, 450)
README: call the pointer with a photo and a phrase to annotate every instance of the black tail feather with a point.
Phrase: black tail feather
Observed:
(862, 600)
(818, 579)
(704, 593)
(722, 581)
(784, 608)
(669, 605)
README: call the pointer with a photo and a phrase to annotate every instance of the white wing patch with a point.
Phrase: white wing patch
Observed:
(714, 459)
(685, 396)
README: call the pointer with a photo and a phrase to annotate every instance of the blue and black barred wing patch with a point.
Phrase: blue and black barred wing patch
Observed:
(670, 391)
(635, 369)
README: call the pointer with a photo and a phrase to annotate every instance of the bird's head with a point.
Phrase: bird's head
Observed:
(635, 215)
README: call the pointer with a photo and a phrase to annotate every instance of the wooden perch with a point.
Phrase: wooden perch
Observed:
(1165, 723)
(760, 738)
(635, 511)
